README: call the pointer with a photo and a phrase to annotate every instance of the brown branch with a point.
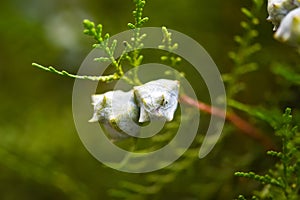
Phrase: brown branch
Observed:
(236, 120)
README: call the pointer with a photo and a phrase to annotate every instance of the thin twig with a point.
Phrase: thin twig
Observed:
(105, 78)
(236, 120)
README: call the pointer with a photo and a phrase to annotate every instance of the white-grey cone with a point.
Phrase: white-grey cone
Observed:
(289, 29)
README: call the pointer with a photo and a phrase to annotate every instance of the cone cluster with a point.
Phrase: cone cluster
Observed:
(121, 112)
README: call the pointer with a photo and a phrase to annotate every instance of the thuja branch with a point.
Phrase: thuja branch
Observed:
(107, 78)
(103, 43)
(139, 20)
(236, 120)
(283, 182)
(135, 45)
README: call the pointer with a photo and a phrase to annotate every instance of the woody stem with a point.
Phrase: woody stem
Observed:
(244, 126)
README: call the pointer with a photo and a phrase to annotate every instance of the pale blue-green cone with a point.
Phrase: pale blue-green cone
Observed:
(289, 29)
(278, 9)
(157, 99)
(120, 112)
(117, 112)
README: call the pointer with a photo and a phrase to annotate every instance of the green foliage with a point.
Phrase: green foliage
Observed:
(103, 43)
(170, 58)
(279, 183)
(269, 116)
(139, 20)
(170, 47)
(246, 48)
(287, 73)
(154, 182)
(283, 182)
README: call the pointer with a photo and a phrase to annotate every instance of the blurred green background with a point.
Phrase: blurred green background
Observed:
(41, 156)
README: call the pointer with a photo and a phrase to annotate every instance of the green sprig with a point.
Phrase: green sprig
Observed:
(103, 43)
(92, 30)
(136, 43)
(85, 77)
(287, 73)
(170, 57)
(247, 47)
(265, 179)
(139, 20)
(167, 44)
(286, 175)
